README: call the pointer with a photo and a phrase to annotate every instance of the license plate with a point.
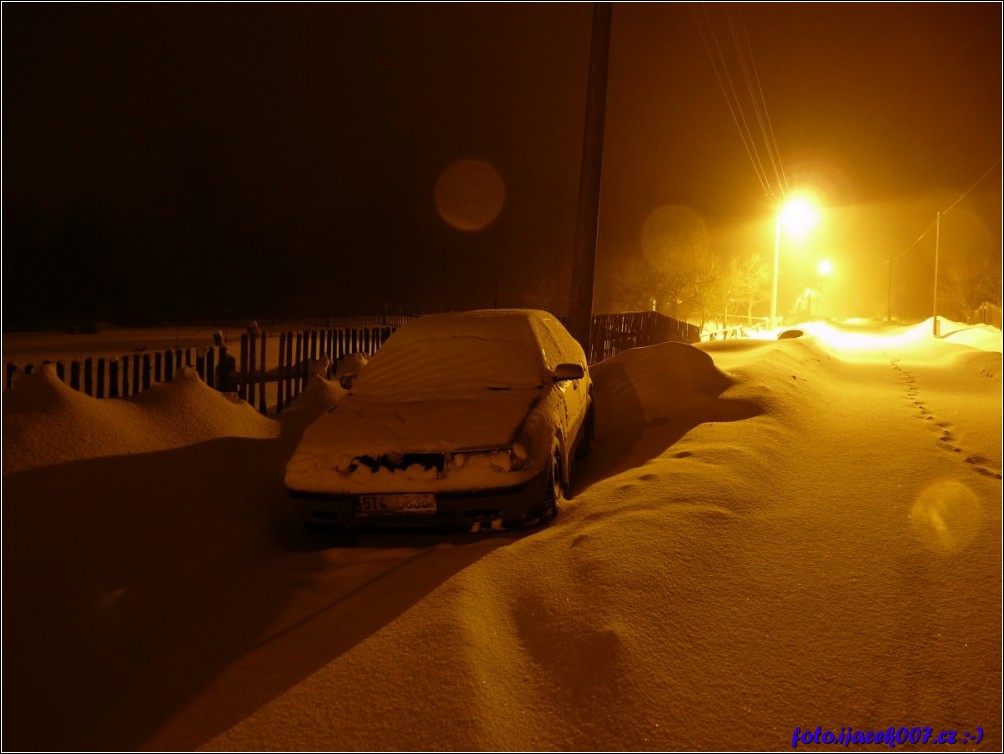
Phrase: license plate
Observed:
(396, 505)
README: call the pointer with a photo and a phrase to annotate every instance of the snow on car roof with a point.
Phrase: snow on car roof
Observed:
(458, 354)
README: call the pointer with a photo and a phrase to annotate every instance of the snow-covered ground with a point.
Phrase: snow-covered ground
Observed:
(768, 535)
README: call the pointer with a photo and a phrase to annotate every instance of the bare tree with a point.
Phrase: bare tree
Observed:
(677, 246)
(630, 286)
(677, 273)
(963, 287)
(752, 284)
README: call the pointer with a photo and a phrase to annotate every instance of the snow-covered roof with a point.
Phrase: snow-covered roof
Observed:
(461, 354)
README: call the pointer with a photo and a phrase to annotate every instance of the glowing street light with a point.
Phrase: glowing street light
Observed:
(824, 268)
(796, 216)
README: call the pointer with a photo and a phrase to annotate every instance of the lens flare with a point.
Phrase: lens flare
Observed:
(672, 231)
(946, 516)
(469, 195)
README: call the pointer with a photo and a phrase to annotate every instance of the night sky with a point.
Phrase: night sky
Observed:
(174, 162)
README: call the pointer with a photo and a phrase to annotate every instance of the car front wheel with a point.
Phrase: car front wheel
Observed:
(554, 494)
(555, 488)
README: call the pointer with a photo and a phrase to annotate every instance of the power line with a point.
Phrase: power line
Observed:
(943, 213)
(734, 105)
(990, 170)
(744, 49)
(911, 246)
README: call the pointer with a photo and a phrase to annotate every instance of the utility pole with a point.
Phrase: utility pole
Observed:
(888, 295)
(587, 216)
(937, 250)
(777, 263)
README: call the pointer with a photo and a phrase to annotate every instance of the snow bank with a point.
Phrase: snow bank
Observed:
(768, 535)
(983, 337)
(45, 422)
(823, 561)
(648, 398)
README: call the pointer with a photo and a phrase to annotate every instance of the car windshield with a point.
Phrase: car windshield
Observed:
(444, 357)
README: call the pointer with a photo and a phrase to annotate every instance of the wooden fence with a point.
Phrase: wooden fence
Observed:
(613, 333)
(268, 370)
(295, 351)
(986, 314)
(752, 326)
(122, 376)
(282, 358)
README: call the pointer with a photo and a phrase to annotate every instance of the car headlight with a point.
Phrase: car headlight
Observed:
(502, 459)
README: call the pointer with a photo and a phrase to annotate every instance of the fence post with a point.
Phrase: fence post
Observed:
(281, 370)
(289, 367)
(262, 400)
(297, 382)
(304, 366)
(99, 391)
(252, 353)
(168, 366)
(242, 379)
(113, 377)
(88, 376)
(11, 371)
(75, 374)
(125, 374)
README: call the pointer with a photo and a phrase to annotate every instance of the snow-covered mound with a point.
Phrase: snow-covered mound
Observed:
(46, 422)
(869, 340)
(768, 535)
(983, 337)
(678, 603)
(648, 398)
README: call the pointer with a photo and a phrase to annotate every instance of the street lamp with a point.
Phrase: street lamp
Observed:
(824, 268)
(797, 216)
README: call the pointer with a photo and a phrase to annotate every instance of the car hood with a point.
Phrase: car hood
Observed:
(356, 427)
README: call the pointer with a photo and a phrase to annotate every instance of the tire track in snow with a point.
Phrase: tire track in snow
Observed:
(946, 438)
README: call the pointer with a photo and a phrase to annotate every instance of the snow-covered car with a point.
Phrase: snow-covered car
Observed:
(471, 418)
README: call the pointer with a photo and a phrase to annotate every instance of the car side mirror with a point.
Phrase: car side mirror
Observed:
(568, 372)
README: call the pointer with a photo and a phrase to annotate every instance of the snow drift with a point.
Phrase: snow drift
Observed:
(46, 422)
(768, 535)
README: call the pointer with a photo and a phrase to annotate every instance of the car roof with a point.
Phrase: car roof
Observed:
(554, 341)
